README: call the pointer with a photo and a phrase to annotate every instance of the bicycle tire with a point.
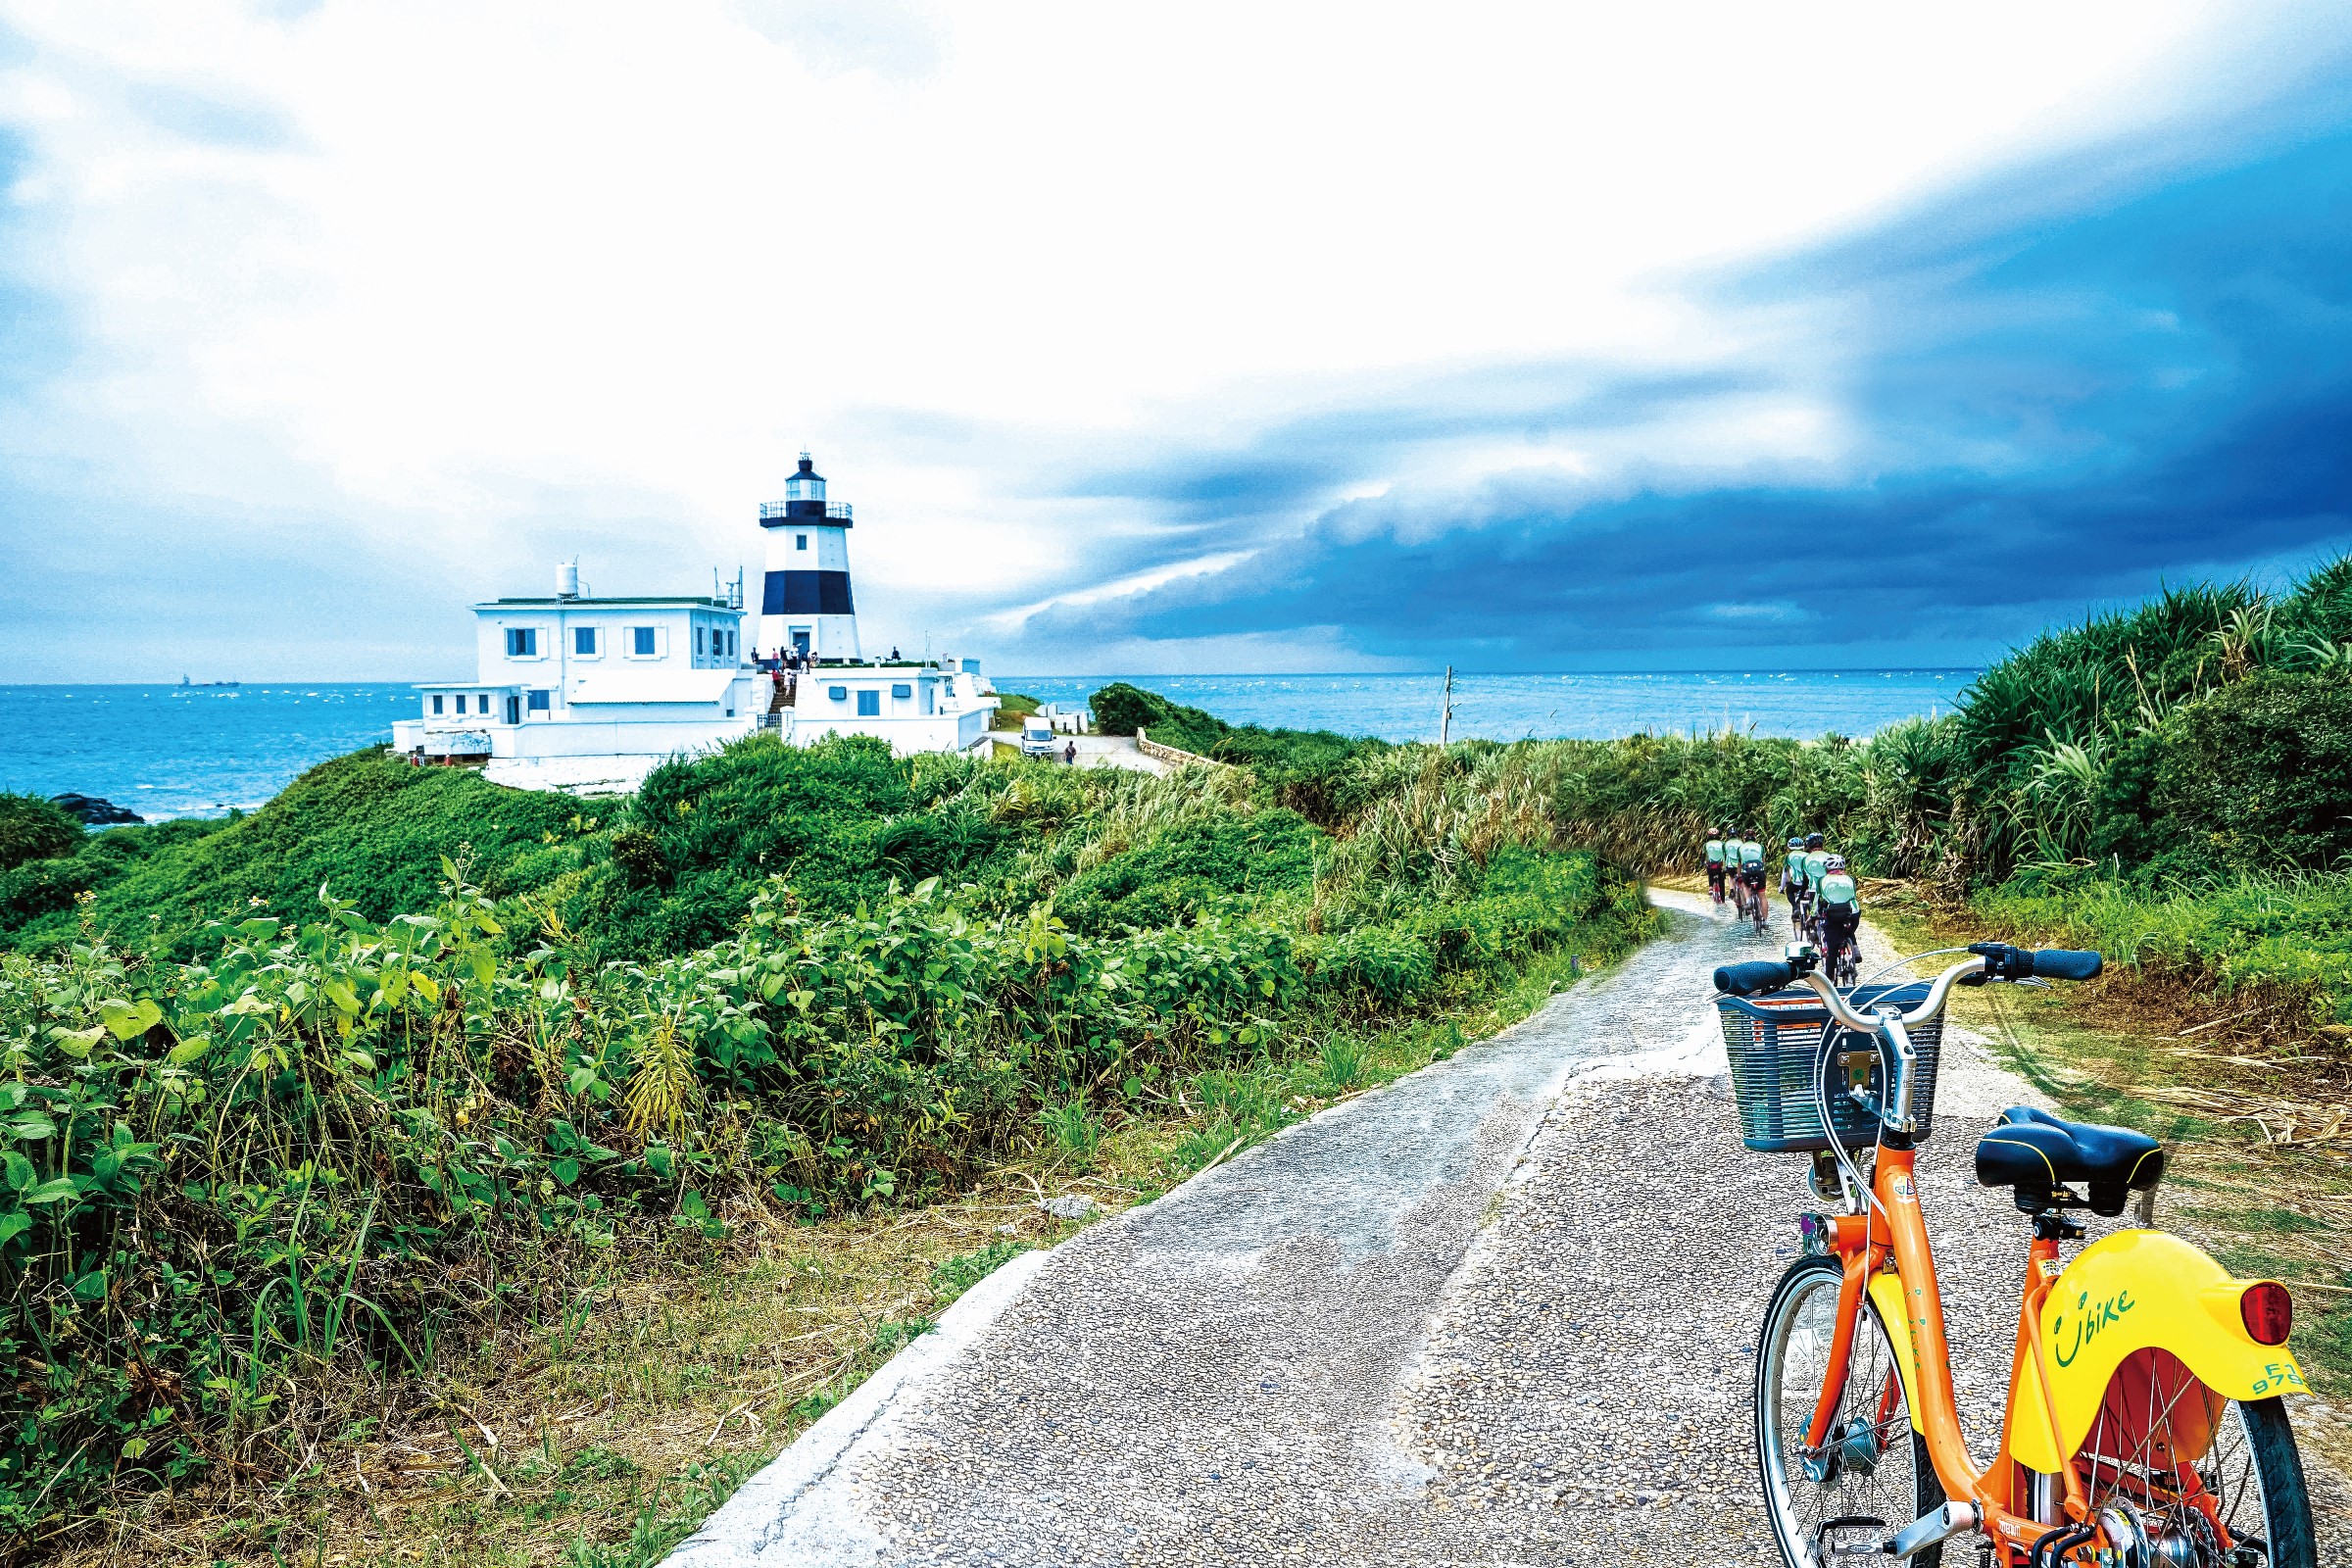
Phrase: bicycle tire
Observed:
(2293, 1539)
(1806, 1284)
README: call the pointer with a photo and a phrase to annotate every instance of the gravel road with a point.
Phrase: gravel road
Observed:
(1501, 1312)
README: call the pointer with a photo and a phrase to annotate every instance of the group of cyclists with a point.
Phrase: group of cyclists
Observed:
(1825, 907)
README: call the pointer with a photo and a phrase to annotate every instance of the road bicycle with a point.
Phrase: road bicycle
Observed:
(1840, 953)
(2143, 1426)
(1755, 904)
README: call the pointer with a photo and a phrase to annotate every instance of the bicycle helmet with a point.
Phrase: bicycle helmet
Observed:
(1814, 840)
(1833, 865)
(1796, 843)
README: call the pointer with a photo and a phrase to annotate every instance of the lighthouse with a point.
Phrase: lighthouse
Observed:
(805, 603)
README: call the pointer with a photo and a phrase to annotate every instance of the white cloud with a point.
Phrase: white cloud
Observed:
(477, 282)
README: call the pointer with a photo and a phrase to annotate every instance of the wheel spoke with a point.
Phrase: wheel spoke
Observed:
(1865, 1468)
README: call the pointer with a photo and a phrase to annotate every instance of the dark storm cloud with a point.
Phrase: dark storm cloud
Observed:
(2053, 411)
(1301, 459)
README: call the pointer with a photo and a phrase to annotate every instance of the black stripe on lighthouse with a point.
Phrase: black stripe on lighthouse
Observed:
(807, 592)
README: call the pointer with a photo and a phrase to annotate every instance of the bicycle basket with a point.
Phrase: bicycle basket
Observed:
(1782, 1045)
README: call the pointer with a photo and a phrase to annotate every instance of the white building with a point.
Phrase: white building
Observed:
(946, 706)
(573, 692)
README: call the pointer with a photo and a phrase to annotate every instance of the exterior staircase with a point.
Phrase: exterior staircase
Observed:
(782, 686)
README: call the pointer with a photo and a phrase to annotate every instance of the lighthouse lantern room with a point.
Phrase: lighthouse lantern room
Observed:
(805, 608)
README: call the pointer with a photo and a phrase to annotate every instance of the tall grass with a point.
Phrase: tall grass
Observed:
(2285, 934)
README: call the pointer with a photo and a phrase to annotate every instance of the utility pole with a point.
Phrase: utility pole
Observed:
(1446, 709)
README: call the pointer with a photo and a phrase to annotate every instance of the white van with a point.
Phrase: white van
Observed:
(1037, 737)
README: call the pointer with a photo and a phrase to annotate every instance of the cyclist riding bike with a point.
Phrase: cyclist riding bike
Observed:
(1792, 882)
(1752, 879)
(1840, 922)
(1715, 864)
(1813, 859)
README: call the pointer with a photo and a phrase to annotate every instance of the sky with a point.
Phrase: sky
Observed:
(1166, 339)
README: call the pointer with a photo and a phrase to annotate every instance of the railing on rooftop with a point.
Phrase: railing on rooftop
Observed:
(771, 510)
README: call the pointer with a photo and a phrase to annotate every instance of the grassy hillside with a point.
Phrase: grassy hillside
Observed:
(301, 1106)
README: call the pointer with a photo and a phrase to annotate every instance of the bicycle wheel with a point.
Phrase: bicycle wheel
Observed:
(2196, 1477)
(1873, 1476)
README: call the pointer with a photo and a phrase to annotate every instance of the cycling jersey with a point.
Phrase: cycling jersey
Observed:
(1815, 862)
(1841, 910)
(1714, 852)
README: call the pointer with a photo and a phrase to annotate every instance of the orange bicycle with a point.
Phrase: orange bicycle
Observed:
(2143, 1427)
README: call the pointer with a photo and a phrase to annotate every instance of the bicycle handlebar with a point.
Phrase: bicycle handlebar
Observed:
(1992, 959)
(2064, 964)
(1746, 979)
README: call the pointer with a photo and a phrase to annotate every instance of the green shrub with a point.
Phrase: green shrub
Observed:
(2259, 775)
(1381, 966)
(368, 826)
(1123, 709)
(1178, 872)
(35, 829)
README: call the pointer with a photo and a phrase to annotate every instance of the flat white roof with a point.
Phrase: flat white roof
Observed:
(652, 602)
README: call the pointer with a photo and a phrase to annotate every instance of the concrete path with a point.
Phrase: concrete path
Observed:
(1501, 1312)
(1099, 750)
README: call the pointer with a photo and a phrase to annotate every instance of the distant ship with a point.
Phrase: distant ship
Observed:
(200, 684)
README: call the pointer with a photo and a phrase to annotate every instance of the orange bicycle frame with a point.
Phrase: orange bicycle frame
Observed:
(1863, 1242)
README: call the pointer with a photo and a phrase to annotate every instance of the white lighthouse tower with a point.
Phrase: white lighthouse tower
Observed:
(805, 601)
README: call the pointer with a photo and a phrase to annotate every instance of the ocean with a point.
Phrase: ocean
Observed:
(173, 750)
(1509, 708)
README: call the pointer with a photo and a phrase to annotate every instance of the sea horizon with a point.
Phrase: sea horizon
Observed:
(164, 750)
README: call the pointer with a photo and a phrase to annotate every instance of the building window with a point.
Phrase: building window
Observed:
(902, 693)
(800, 541)
(698, 642)
(537, 701)
(523, 642)
(869, 704)
(436, 707)
(583, 640)
(642, 639)
(481, 704)
(838, 694)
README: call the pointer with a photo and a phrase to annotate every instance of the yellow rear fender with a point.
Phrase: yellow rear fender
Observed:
(2134, 1291)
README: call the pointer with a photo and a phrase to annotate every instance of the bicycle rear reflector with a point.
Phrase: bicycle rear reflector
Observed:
(2269, 1312)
